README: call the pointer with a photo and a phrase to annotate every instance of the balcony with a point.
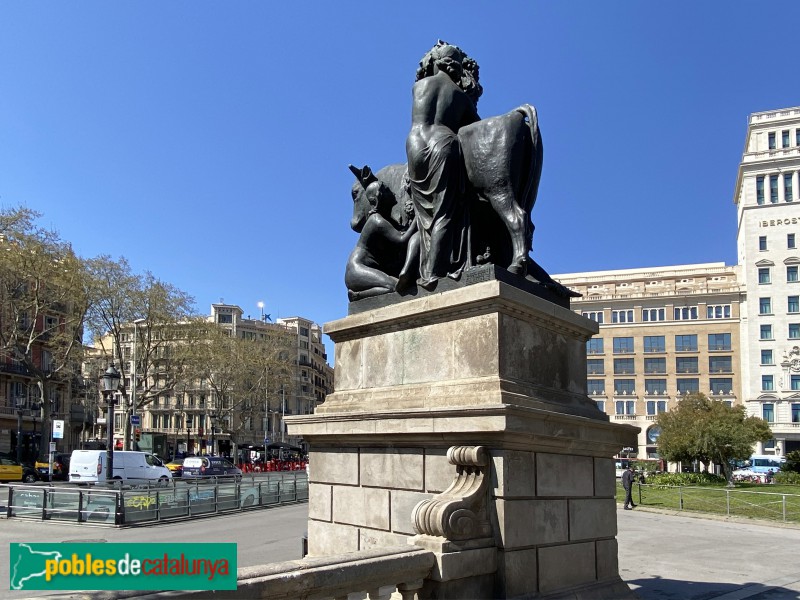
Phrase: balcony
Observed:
(625, 417)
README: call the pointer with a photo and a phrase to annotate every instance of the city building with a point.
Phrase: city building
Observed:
(664, 332)
(731, 332)
(187, 417)
(766, 198)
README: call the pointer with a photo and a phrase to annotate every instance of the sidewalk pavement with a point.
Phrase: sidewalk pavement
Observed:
(666, 555)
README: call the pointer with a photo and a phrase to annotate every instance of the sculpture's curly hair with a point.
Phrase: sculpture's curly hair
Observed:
(470, 78)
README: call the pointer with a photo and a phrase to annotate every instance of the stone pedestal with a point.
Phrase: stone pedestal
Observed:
(488, 366)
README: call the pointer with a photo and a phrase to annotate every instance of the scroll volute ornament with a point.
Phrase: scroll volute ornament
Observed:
(459, 513)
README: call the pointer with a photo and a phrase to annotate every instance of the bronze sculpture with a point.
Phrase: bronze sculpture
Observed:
(472, 183)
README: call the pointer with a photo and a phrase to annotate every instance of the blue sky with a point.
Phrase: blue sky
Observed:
(208, 142)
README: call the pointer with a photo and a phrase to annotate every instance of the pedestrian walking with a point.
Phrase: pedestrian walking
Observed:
(627, 484)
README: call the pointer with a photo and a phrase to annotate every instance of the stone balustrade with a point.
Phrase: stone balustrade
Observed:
(369, 574)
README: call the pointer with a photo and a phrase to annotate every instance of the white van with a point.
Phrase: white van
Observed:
(89, 466)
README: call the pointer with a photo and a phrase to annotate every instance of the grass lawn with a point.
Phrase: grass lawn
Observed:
(774, 502)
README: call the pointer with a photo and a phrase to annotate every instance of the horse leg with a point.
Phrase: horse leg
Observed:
(504, 203)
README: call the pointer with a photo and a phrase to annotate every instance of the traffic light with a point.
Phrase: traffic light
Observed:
(138, 434)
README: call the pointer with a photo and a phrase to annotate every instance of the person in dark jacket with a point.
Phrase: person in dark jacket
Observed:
(627, 484)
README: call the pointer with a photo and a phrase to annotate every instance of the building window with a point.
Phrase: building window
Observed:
(625, 407)
(791, 273)
(653, 314)
(224, 318)
(794, 382)
(655, 387)
(686, 364)
(765, 306)
(594, 346)
(719, 341)
(763, 275)
(654, 343)
(794, 331)
(768, 413)
(601, 405)
(595, 366)
(720, 364)
(686, 313)
(655, 407)
(771, 140)
(721, 385)
(796, 407)
(773, 189)
(622, 316)
(655, 365)
(760, 189)
(793, 304)
(596, 316)
(689, 385)
(762, 242)
(595, 386)
(718, 311)
(624, 386)
(686, 343)
(767, 383)
(766, 357)
(785, 138)
(787, 187)
(623, 366)
(623, 345)
(765, 332)
(790, 243)
(797, 137)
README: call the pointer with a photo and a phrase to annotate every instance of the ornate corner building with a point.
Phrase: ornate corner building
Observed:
(731, 332)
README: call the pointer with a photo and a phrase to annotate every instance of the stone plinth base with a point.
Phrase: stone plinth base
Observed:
(490, 366)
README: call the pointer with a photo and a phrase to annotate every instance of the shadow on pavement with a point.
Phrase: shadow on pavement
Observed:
(657, 588)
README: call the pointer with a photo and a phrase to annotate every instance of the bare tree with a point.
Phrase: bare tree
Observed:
(121, 298)
(44, 297)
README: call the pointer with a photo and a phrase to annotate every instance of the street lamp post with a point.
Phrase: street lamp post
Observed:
(20, 406)
(110, 385)
(213, 430)
(188, 430)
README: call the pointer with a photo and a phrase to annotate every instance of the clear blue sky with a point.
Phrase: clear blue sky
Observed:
(208, 142)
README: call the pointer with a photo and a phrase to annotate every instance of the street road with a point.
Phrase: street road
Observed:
(263, 536)
(661, 556)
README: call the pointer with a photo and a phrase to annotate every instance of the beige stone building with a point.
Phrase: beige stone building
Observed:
(190, 419)
(664, 332)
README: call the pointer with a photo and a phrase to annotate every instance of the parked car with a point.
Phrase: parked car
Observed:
(13, 470)
(210, 466)
(89, 466)
(175, 466)
(60, 467)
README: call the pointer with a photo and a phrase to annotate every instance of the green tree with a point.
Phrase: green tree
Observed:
(709, 431)
(44, 297)
(792, 462)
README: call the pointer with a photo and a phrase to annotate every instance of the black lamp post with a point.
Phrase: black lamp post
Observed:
(110, 385)
(20, 406)
(188, 430)
(213, 430)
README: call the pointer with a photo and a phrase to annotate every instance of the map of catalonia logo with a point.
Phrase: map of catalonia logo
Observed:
(122, 566)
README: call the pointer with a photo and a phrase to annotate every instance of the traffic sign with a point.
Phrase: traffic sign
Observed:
(136, 420)
(58, 429)
(266, 440)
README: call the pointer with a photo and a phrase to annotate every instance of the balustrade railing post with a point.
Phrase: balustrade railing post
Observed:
(680, 497)
(728, 502)
(10, 497)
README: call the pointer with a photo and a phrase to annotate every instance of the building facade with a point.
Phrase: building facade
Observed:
(768, 211)
(664, 332)
(189, 418)
(731, 332)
